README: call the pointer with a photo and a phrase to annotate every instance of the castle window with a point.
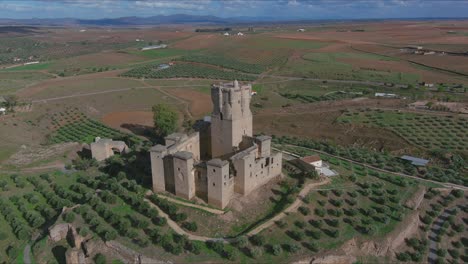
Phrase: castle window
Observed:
(250, 165)
(214, 170)
(224, 183)
(214, 184)
(178, 169)
(250, 174)
(262, 165)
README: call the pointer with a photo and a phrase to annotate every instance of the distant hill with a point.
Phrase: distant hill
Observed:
(133, 21)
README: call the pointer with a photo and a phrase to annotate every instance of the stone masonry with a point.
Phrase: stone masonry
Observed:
(237, 162)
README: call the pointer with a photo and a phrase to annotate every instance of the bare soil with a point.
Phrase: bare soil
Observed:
(199, 103)
(119, 120)
(317, 121)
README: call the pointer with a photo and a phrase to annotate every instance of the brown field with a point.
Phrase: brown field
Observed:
(199, 103)
(117, 119)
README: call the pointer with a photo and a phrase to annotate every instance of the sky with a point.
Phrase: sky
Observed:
(280, 9)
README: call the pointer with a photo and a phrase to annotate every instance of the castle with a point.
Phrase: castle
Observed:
(221, 159)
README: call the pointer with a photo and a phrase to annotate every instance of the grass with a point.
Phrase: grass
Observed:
(326, 66)
(161, 53)
(31, 67)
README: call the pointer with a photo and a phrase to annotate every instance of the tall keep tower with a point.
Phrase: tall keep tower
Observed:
(231, 118)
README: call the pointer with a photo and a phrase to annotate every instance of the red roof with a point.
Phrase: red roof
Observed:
(310, 159)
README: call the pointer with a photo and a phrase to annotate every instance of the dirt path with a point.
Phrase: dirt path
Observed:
(292, 208)
(448, 185)
(27, 254)
(172, 224)
(436, 226)
(201, 207)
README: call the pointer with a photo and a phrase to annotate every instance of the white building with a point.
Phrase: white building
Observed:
(226, 34)
(301, 30)
(240, 34)
(320, 167)
(2, 110)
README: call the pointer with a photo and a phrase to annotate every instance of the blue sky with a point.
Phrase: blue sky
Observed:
(282, 9)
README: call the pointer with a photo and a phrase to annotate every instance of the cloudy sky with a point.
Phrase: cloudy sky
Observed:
(282, 9)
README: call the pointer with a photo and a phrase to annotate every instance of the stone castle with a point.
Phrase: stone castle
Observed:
(220, 160)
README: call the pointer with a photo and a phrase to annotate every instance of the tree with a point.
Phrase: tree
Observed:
(165, 119)
(11, 101)
(100, 259)
(69, 217)
(276, 250)
(257, 240)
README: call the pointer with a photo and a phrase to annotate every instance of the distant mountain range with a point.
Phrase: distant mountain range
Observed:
(174, 19)
(134, 21)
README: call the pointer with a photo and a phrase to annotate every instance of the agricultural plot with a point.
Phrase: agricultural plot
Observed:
(10, 82)
(431, 132)
(453, 171)
(359, 204)
(326, 66)
(441, 237)
(225, 63)
(186, 71)
(329, 97)
(73, 126)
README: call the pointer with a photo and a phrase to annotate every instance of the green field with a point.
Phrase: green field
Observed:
(31, 67)
(326, 66)
(186, 71)
(432, 132)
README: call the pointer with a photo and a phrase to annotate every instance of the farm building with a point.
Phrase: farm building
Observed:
(240, 34)
(386, 95)
(226, 34)
(322, 168)
(2, 110)
(162, 46)
(415, 161)
(301, 30)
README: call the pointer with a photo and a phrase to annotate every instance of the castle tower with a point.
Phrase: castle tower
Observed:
(231, 118)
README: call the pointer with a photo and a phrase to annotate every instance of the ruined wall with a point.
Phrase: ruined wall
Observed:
(157, 154)
(201, 182)
(220, 183)
(184, 175)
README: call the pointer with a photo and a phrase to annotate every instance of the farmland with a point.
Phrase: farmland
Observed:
(225, 63)
(187, 71)
(421, 130)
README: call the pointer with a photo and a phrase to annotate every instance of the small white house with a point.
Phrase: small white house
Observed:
(240, 34)
(226, 34)
(253, 93)
(301, 30)
(313, 160)
(2, 110)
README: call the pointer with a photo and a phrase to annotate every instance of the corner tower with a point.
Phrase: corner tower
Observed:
(231, 118)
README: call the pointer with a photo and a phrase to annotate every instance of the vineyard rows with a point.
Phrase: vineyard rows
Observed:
(85, 131)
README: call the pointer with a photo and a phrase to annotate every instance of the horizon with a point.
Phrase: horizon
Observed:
(279, 10)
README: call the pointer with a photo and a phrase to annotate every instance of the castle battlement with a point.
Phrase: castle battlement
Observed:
(240, 162)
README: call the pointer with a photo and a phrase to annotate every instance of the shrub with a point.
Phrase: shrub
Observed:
(304, 210)
(257, 240)
(12, 252)
(276, 250)
(190, 226)
(69, 217)
(100, 259)
(296, 235)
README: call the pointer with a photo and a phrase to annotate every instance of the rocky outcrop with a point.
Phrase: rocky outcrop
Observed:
(75, 256)
(58, 232)
(416, 200)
